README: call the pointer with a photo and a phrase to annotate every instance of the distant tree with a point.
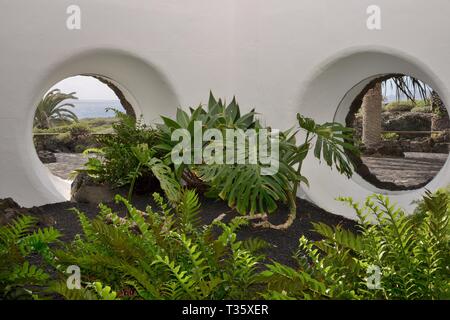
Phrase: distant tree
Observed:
(371, 107)
(409, 87)
(52, 108)
(403, 86)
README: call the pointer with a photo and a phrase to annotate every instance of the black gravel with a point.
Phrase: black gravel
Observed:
(283, 243)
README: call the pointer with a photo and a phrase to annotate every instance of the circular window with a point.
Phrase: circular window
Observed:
(71, 117)
(403, 130)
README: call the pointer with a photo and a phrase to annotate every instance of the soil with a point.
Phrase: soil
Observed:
(283, 243)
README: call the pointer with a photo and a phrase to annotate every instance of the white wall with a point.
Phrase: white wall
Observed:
(281, 57)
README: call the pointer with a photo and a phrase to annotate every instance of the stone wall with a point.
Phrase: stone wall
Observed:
(409, 121)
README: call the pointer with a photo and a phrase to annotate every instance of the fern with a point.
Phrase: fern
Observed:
(188, 210)
(16, 230)
(412, 254)
(164, 253)
(92, 291)
(255, 245)
(17, 242)
(27, 274)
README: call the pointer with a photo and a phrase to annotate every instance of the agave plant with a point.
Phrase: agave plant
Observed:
(53, 107)
(216, 115)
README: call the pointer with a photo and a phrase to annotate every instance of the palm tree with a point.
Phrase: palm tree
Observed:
(52, 107)
(409, 87)
(371, 108)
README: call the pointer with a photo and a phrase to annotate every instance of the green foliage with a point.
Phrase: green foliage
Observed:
(136, 152)
(333, 141)
(52, 108)
(75, 137)
(18, 241)
(412, 255)
(216, 115)
(129, 154)
(424, 109)
(163, 254)
(78, 130)
(407, 105)
(249, 191)
(390, 136)
(96, 125)
(92, 291)
(245, 186)
(167, 254)
(164, 174)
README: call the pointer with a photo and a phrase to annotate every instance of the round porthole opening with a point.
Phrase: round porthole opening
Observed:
(402, 128)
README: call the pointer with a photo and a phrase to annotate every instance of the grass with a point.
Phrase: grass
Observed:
(95, 125)
(407, 105)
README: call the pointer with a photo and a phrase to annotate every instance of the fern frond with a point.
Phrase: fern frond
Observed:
(38, 240)
(27, 274)
(183, 280)
(188, 209)
(21, 226)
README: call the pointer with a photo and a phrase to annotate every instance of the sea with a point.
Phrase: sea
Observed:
(98, 108)
(95, 108)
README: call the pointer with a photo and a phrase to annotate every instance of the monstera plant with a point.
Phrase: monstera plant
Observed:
(244, 185)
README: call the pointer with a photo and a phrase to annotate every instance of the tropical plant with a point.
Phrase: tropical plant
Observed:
(54, 108)
(18, 242)
(244, 186)
(164, 174)
(397, 258)
(216, 115)
(163, 254)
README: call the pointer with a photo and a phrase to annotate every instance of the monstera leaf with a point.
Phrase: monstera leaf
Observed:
(333, 143)
(246, 188)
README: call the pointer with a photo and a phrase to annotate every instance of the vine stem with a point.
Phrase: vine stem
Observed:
(133, 182)
(266, 224)
(291, 201)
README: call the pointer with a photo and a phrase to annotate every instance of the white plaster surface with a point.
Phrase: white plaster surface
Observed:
(281, 57)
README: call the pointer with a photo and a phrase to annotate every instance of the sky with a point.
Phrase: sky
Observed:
(86, 88)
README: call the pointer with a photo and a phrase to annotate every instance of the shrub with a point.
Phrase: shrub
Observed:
(399, 106)
(78, 131)
(117, 163)
(163, 254)
(406, 105)
(425, 109)
(390, 136)
(413, 258)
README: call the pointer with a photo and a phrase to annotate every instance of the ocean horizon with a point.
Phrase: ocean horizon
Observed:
(95, 108)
